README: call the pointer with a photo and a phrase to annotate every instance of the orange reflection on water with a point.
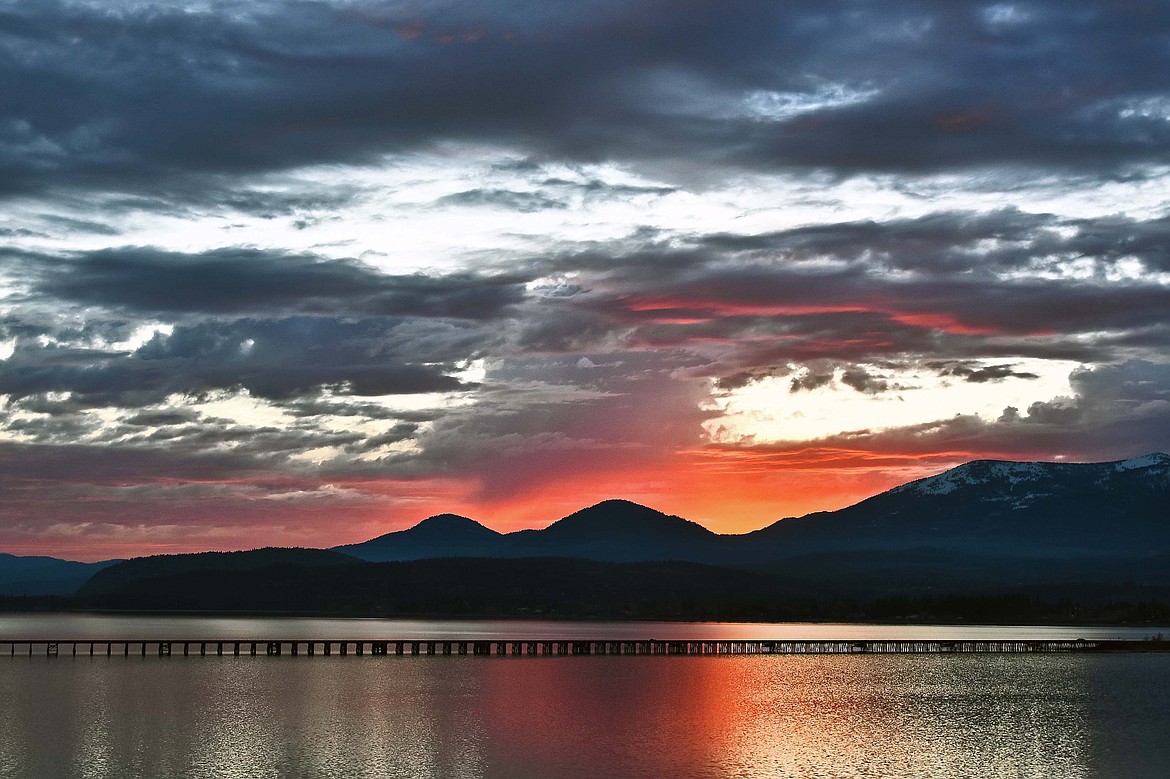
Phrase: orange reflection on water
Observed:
(784, 717)
(773, 717)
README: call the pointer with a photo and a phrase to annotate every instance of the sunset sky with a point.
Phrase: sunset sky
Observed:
(301, 273)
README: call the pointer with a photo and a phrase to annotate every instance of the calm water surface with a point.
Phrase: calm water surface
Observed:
(753, 716)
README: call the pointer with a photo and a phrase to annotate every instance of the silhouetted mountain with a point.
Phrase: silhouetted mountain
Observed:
(1004, 509)
(618, 531)
(44, 575)
(130, 572)
(988, 527)
(445, 535)
(985, 517)
(612, 531)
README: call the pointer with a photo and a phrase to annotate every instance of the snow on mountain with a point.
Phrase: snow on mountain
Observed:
(1014, 475)
(974, 473)
(1156, 460)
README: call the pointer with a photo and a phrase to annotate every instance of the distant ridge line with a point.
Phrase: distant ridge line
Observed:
(1151, 460)
(982, 527)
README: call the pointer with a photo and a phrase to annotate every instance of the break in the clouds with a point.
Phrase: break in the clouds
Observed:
(301, 272)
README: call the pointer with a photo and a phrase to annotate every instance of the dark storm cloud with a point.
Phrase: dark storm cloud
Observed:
(275, 359)
(270, 205)
(558, 326)
(963, 293)
(162, 418)
(959, 241)
(810, 380)
(505, 199)
(26, 465)
(957, 285)
(863, 381)
(70, 334)
(1112, 238)
(979, 374)
(67, 224)
(128, 95)
(741, 379)
(245, 281)
(598, 188)
(953, 283)
(816, 374)
(811, 314)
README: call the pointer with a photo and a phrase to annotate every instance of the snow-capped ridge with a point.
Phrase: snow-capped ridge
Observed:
(976, 472)
(1010, 473)
(1154, 460)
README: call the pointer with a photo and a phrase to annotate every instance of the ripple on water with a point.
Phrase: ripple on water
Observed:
(923, 717)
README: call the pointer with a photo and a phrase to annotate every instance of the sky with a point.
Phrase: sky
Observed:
(299, 272)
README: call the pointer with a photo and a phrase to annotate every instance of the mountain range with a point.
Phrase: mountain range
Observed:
(1051, 511)
(986, 526)
(611, 531)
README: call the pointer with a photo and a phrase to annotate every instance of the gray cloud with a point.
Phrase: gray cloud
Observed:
(979, 374)
(955, 242)
(810, 380)
(506, 199)
(274, 359)
(121, 97)
(162, 418)
(539, 422)
(600, 357)
(722, 307)
(247, 281)
(741, 379)
(863, 381)
(964, 285)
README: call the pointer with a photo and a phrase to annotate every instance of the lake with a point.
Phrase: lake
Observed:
(915, 716)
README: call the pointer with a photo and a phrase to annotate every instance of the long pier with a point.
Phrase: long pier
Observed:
(528, 648)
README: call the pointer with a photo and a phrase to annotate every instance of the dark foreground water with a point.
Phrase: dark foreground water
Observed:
(749, 716)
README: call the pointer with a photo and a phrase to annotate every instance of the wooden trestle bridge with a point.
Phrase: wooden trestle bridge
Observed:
(528, 648)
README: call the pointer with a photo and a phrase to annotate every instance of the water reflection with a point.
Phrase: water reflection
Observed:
(796, 716)
(803, 717)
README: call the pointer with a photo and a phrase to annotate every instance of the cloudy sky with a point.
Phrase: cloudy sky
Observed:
(294, 272)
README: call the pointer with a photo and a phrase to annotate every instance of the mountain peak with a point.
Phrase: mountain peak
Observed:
(443, 535)
(447, 527)
(624, 517)
(619, 504)
(614, 508)
(446, 521)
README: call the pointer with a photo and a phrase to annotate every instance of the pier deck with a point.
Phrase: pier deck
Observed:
(544, 648)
